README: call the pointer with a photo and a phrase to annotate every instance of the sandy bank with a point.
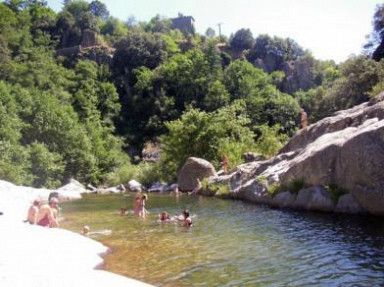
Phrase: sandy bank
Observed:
(37, 256)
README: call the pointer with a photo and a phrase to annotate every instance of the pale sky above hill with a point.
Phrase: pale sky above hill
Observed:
(330, 29)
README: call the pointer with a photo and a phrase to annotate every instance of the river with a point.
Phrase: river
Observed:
(233, 243)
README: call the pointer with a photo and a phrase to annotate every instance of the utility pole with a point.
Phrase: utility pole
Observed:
(219, 24)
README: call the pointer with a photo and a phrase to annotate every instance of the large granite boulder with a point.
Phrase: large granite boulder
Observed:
(341, 120)
(71, 191)
(134, 186)
(314, 198)
(253, 191)
(284, 199)
(346, 151)
(252, 156)
(194, 168)
(352, 158)
(348, 204)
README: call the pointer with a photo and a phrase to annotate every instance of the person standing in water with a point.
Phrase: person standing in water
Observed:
(139, 205)
(143, 211)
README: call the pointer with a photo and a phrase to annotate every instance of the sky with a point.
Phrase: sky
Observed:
(330, 29)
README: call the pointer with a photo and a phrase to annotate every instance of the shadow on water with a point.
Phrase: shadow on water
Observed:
(233, 243)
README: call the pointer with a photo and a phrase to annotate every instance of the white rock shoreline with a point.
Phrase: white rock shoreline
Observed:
(35, 256)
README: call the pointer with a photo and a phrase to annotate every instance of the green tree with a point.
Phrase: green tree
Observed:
(212, 55)
(136, 50)
(375, 45)
(202, 134)
(99, 9)
(272, 54)
(47, 167)
(159, 25)
(113, 27)
(216, 97)
(242, 40)
(210, 33)
(185, 77)
(241, 78)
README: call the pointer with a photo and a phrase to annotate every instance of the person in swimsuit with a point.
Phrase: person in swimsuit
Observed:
(224, 163)
(46, 214)
(139, 205)
(164, 217)
(32, 212)
(143, 212)
(185, 219)
(303, 118)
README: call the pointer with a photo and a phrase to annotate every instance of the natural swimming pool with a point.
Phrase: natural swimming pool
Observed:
(233, 243)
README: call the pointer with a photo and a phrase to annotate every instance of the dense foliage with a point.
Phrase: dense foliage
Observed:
(82, 92)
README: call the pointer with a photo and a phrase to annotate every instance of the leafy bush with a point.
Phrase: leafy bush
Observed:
(206, 135)
(270, 141)
(221, 189)
(293, 186)
(145, 173)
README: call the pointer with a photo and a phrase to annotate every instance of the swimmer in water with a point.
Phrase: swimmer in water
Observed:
(185, 219)
(164, 217)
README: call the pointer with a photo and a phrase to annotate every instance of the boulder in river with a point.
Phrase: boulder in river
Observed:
(194, 168)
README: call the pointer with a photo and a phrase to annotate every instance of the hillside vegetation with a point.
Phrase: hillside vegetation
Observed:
(82, 93)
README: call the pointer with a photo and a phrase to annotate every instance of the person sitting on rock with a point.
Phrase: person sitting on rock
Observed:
(32, 212)
(46, 214)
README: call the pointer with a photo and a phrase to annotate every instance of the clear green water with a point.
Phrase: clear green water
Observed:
(233, 243)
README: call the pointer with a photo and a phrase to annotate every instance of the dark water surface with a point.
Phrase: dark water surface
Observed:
(233, 243)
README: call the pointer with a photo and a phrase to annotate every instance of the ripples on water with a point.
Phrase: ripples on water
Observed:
(234, 243)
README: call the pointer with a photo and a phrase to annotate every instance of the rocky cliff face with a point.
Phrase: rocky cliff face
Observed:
(336, 164)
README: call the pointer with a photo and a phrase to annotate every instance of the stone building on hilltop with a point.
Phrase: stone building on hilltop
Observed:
(185, 24)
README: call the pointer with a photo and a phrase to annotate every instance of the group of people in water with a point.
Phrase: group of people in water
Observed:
(139, 210)
(184, 219)
(44, 213)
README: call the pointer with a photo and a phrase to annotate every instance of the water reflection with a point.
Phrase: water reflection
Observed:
(235, 244)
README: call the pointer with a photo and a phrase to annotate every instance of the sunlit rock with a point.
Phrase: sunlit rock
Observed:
(194, 168)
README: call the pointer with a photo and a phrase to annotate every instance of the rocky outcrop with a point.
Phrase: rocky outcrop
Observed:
(337, 155)
(194, 168)
(251, 156)
(134, 186)
(348, 204)
(159, 187)
(314, 198)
